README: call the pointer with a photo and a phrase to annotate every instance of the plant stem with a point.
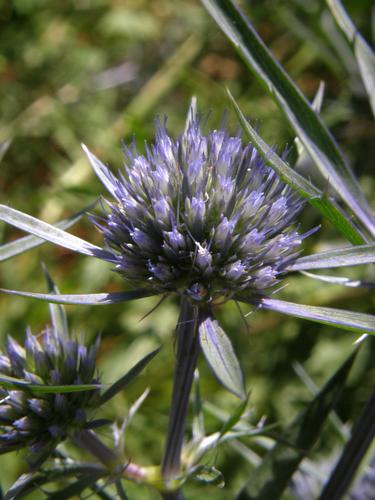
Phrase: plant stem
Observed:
(187, 340)
(89, 441)
(173, 495)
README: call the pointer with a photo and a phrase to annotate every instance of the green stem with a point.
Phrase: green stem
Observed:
(89, 441)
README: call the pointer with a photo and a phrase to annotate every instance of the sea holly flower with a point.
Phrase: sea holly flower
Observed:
(201, 216)
(43, 403)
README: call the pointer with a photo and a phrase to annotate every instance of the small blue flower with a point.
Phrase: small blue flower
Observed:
(36, 421)
(201, 215)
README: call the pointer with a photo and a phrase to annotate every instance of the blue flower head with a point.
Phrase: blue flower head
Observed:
(201, 215)
(40, 421)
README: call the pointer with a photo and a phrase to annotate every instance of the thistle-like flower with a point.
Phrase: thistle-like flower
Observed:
(201, 215)
(34, 419)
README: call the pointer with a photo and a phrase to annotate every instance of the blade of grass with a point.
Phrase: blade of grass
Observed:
(362, 437)
(364, 55)
(272, 476)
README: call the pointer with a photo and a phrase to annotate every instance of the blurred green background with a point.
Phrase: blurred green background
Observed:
(98, 72)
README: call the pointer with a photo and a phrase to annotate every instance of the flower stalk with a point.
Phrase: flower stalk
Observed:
(115, 462)
(187, 351)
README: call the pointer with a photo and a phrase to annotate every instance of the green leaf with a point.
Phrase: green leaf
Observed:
(125, 380)
(136, 405)
(30, 482)
(316, 105)
(362, 437)
(221, 357)
(306, 122)
(75, 489)
(51, 233)
(272, 476)
(328, 207)
(12, 383)
(362, 51)
(348, 320)
(349, 256)
(89, 299)
(234, 418)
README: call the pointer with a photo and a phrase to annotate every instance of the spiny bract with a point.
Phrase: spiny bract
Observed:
(201, 215)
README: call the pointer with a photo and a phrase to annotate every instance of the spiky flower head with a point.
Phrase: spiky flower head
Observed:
(201, 215)
(39, 421)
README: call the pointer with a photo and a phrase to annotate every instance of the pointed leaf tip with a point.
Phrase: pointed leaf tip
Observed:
(106, 177)
(341, 318)
(51, 233)
(122, 382)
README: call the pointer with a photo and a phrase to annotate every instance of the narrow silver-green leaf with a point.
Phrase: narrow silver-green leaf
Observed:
(348, 320)
(136, 405)
(105, 175)
(21, 245)
(51, 233)
(340, 280)
(125, 380)
(342, 257)
(316, 105)
(306, 122)
(57, 311)
(221, 357)
(12, 383)
(328, 207)
(362, 51)
(234, 418)
(270, 479)
(90, 299)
